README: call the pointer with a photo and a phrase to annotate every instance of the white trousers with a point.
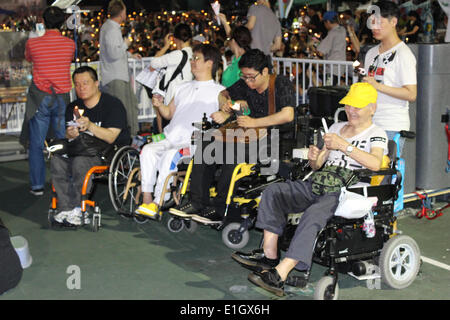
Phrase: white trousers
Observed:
(158, 160)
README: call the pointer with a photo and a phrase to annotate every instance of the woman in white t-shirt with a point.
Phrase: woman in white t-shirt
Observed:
(182, 39)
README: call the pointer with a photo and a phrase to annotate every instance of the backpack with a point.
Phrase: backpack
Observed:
(163, 88)
(175, 73)
(10, 267)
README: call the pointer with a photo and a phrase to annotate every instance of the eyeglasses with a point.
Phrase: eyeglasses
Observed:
(249, 79)
(195, 58)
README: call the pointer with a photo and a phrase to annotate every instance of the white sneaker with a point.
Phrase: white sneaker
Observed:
(75, 217)
(62, 215)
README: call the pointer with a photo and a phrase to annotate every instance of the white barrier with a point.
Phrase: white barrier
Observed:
(11, 116)
(285, 66)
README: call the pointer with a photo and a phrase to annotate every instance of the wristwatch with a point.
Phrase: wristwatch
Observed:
(349, 150)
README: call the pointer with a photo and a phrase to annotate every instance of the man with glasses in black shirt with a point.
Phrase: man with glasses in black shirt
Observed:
(252, 93)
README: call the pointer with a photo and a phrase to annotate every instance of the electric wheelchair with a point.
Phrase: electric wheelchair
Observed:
(342, 246)
(246, 185)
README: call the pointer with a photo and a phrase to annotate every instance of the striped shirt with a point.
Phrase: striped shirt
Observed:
(51, 56)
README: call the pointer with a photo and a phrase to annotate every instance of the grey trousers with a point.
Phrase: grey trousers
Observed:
(280, 199)
(123, 91)
(68, 177)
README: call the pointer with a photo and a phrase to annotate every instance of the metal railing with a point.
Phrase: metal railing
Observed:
(306, 73)
(299, 71)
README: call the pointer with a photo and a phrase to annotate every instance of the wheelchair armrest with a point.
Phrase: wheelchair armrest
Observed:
(367, 173)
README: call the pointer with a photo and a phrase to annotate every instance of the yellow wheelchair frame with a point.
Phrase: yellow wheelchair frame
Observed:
(240, 212)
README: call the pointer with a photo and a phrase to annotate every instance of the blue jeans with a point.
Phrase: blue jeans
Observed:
(401, 141)
(47, 115)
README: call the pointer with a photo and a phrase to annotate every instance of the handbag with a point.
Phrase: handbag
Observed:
(232, 132)
(89, 146)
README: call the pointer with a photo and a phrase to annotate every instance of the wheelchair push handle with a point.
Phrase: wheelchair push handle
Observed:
(407, 134)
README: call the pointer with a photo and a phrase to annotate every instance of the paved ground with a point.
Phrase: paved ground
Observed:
(126, 260)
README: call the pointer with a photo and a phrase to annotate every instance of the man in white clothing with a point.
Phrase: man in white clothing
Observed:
(391, 70)
(191, 101)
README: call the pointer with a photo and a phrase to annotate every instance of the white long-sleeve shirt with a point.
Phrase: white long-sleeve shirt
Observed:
(171, 61)
(113, 53)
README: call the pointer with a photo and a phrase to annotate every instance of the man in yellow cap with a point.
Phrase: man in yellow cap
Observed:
(354, 144)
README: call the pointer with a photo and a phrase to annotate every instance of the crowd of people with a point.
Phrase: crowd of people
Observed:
(302, 30)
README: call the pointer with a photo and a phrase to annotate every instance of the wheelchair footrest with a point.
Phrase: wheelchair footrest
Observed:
(366, 276)
(297, 281)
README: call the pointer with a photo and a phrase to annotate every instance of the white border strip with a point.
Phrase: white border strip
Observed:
(436, 263)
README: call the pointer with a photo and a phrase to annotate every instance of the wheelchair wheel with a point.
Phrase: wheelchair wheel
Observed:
(324, 289)
(399, 262)
(140, 219)
(95, 223)
(50, 217)
(233, 238)
(175, 225)
(191, 226)
(123, 180)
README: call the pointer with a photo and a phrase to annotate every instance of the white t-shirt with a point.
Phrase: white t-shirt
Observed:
(192, 100)
(366, 140)
(395, 68)
(172, 60)
(445, 5)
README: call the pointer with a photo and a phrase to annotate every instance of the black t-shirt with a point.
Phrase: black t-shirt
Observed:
(412, 38)
(108, 113)
(259, 102)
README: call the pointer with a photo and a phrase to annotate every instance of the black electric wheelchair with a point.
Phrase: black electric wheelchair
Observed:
(244, 193)
(342, 246)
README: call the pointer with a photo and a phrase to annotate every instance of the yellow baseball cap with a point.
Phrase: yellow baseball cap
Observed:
(360, 95)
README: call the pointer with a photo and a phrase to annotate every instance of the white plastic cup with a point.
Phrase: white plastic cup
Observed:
(20, 244)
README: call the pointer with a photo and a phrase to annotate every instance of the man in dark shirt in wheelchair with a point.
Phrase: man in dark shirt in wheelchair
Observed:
(94, 113)
(354, 144)
(252, 93)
